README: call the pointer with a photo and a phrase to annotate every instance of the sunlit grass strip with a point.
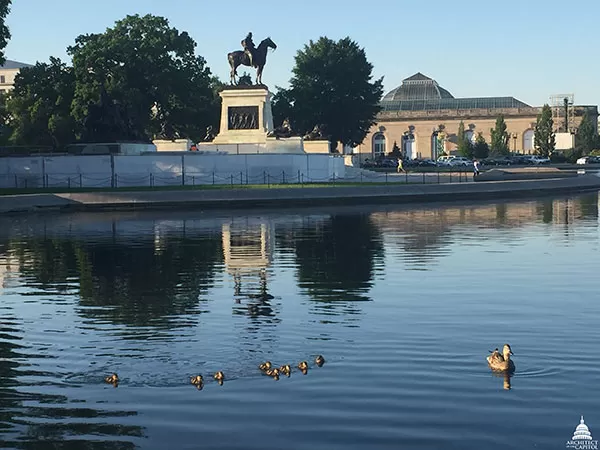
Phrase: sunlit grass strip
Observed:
(63, 190)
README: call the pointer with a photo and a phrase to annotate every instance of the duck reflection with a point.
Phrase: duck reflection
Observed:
(506, 377)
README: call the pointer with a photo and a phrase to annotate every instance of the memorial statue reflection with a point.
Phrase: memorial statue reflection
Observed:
(33, 411)
(247, 252)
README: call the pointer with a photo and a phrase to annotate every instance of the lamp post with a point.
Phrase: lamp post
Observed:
(514, 136)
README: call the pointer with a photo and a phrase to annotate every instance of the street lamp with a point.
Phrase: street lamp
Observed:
(514, 136)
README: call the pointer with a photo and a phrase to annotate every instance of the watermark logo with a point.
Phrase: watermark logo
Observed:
(582, 438)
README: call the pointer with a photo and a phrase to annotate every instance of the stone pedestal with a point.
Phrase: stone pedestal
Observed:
(246, 115)
(163, 145)
(322, 146)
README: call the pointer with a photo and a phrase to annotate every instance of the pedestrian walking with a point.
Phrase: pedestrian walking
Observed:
(475, 168)
(400, 166)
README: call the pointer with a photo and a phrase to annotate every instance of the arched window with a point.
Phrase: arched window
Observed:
(528, 141)
(378, 145)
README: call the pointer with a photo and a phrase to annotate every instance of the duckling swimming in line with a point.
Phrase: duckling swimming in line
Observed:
(265, 366)
(112, 379)
(501, 362)
(274, 373)
(220, 377)
(286, 370)
(319, 360)
(197, 381)
(303, 366)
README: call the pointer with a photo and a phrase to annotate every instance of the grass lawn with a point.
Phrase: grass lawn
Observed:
(63, 190)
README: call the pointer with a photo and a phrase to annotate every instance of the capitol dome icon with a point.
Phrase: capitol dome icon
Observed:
(582, 432)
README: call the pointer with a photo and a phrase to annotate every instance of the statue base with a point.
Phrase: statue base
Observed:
(270, 145)
(246, 115)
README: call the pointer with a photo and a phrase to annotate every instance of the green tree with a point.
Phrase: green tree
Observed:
(481, 149)
(4, 31)
(500, 137)
(332, 85)
(587, 138)
(150, 69)
(282, 107)
(396, 151)
(39, 105)
(544, 139)
(464, 145)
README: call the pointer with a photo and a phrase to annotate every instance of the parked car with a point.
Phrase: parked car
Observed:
(444, 160)
(589, 160)
(537, 160)
(460, 161)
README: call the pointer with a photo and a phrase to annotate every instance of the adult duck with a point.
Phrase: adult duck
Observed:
(501, 362)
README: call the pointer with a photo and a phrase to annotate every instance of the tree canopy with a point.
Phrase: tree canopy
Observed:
(332, 85)
(545, 139)
(481, 149)
(587, 138)
(4, 31)
(499, 140)
(39, 105)
(151, 70)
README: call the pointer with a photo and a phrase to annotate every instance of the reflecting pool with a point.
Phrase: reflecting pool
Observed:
(403, 302)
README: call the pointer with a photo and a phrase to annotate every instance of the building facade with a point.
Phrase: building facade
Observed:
(8, 72)
(423, 119)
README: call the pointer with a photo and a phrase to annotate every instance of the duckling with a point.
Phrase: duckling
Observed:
(265, 366)
(286, 370)
(319, 360)
(274, 373)
(303, 366)
(220, 377)
(197, 381)
(112, 379)
(501, 362)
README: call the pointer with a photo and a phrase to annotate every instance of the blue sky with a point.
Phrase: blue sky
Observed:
(529, 49)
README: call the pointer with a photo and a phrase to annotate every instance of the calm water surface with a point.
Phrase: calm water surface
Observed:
(404, 303)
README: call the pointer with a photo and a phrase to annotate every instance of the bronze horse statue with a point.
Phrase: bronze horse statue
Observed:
(240, 58)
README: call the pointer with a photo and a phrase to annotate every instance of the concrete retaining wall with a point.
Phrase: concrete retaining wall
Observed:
(167, 169)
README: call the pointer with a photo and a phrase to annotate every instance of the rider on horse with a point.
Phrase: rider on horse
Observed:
(249, 48)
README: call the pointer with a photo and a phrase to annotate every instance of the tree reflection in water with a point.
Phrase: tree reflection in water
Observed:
(126, 282)
(336, 261)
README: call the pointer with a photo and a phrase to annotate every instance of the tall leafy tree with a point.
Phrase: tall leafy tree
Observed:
(151, 70)
(500, 138)
(587, 138)
(39, 105)
(4, 31)
(481, 149)
(333, 85)
(545, 139)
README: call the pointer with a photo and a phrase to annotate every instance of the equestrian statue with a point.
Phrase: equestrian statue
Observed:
(251, 56)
